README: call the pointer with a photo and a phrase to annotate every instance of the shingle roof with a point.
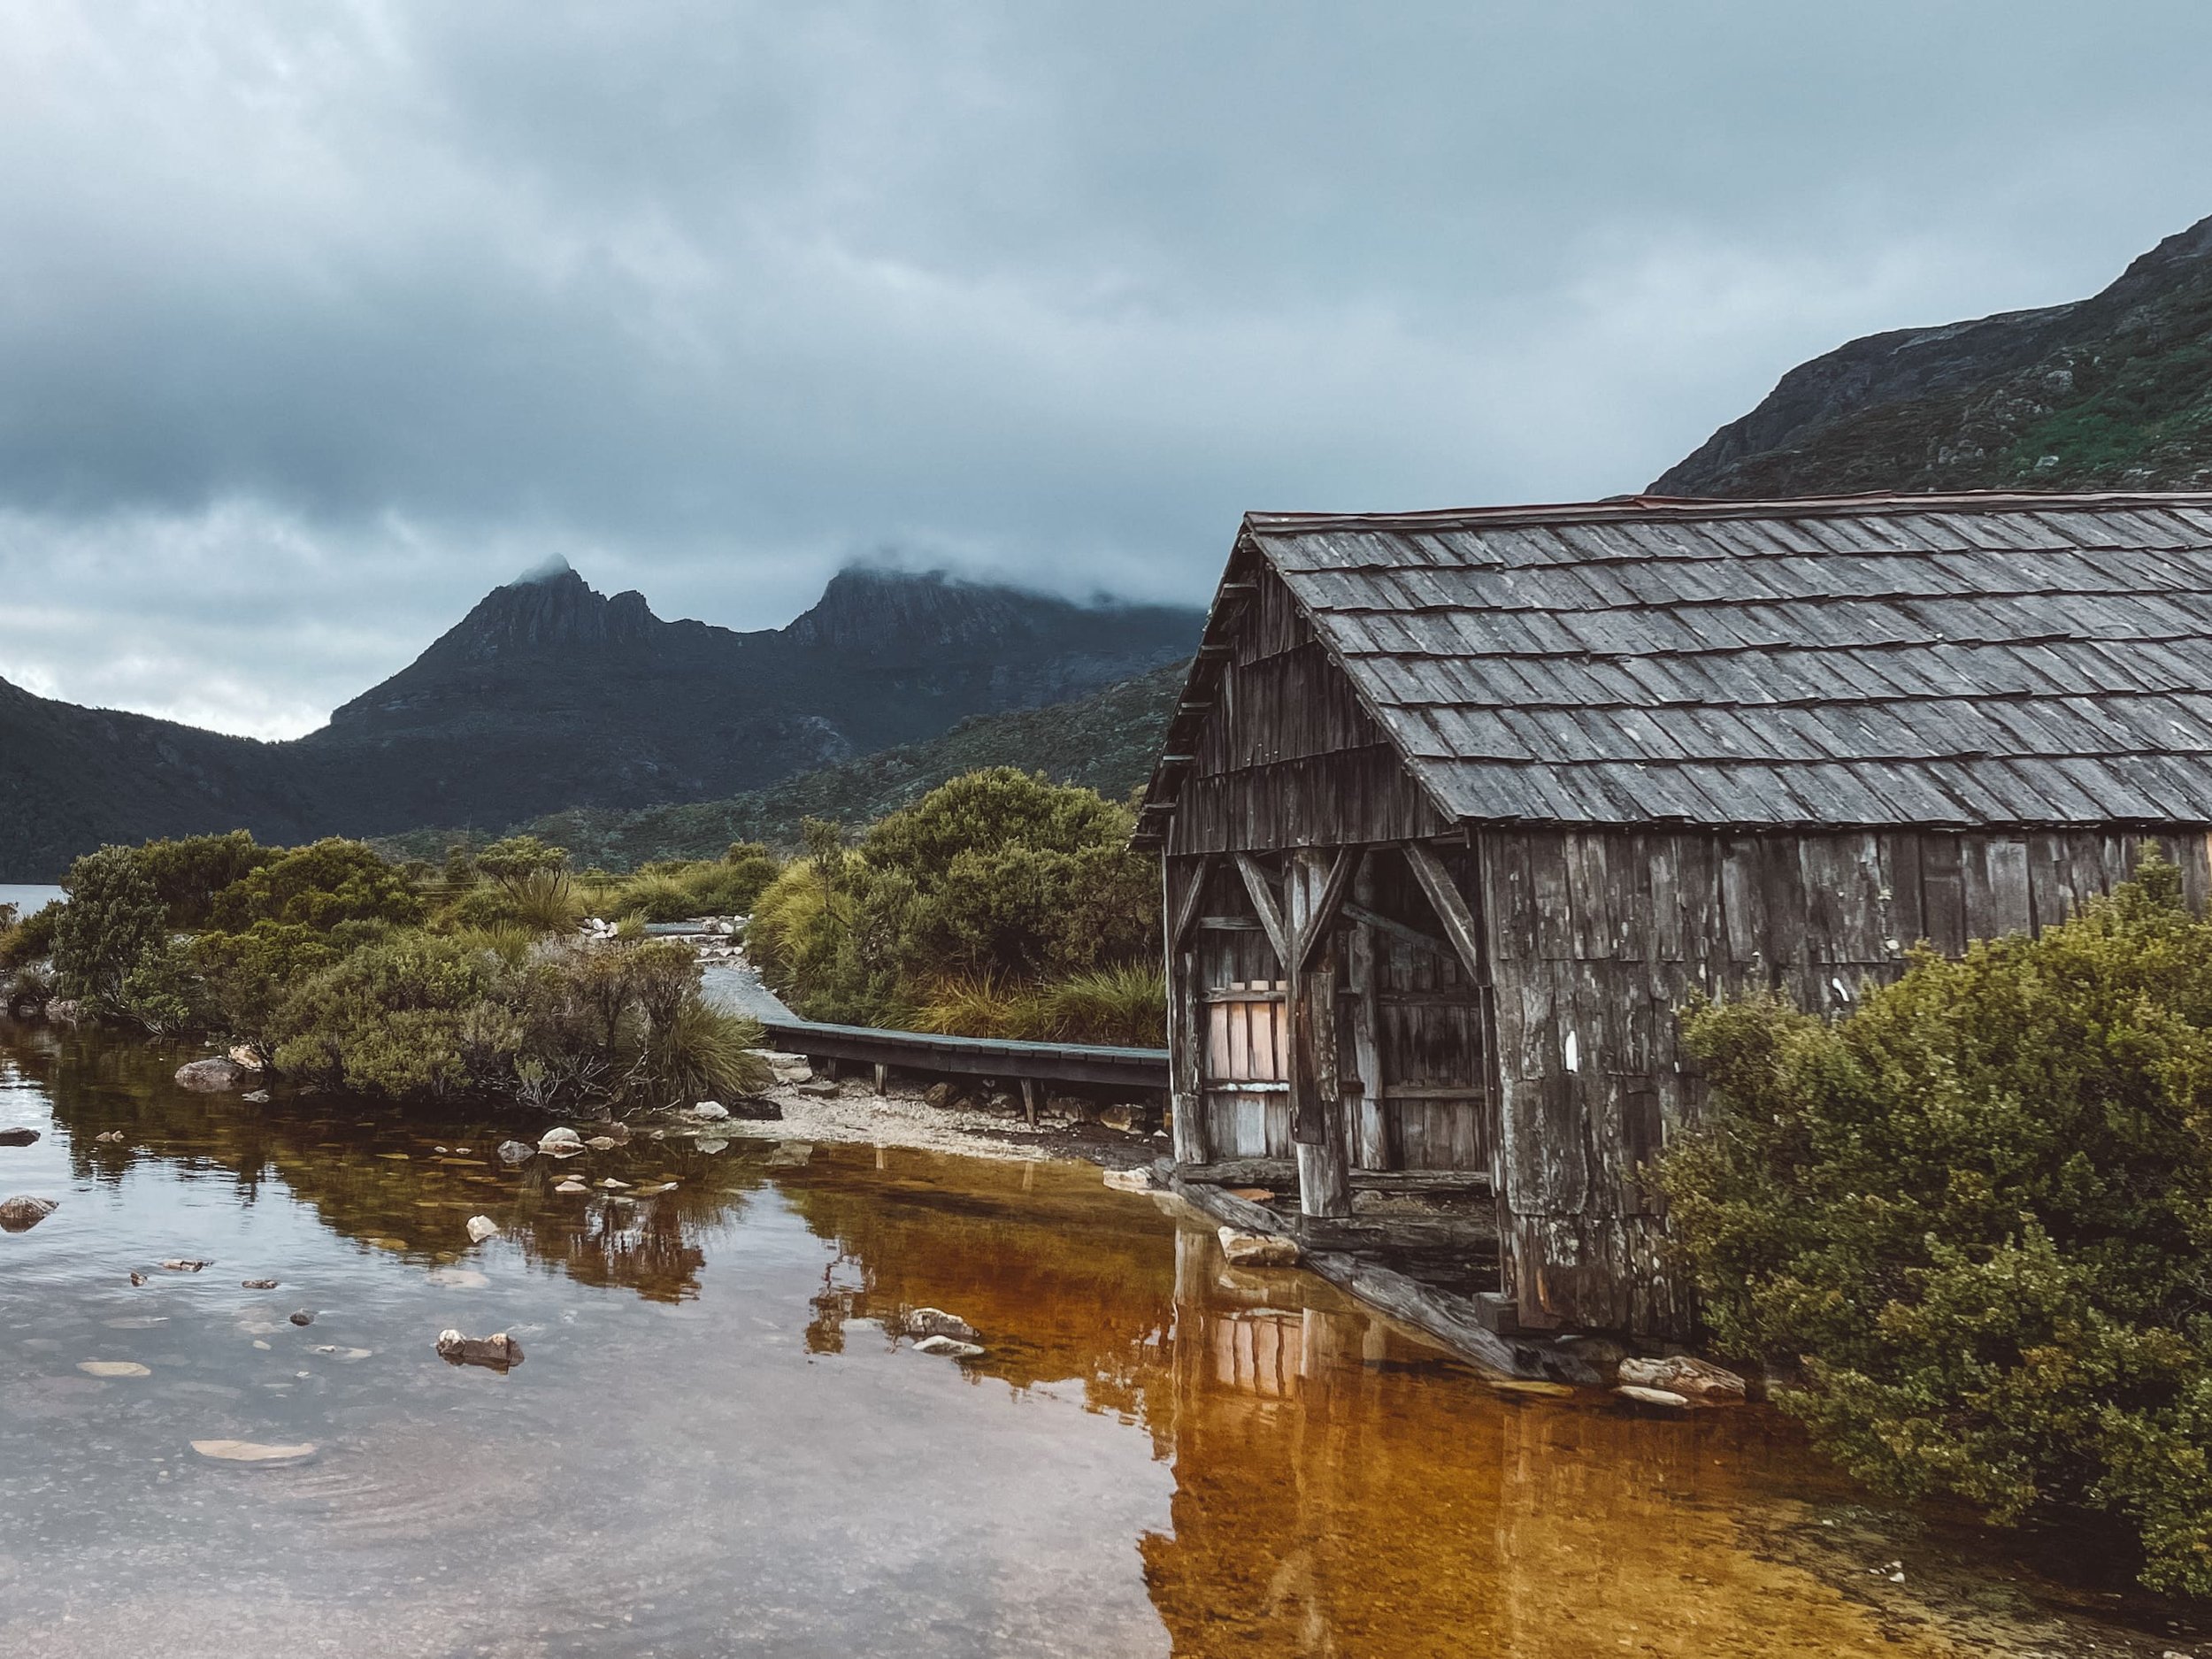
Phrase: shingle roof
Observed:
(1852, 662)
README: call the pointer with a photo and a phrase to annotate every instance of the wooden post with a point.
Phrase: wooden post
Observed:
(883, 1078)
(1029, 1101)
(1374, 1146)
(1315, 883)
(1186, 1063)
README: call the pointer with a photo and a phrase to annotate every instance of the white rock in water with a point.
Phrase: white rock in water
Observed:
(560, 1140)
(1257, 1249)
(482, 1227)
(252, 1452)
(1680, 1374)
(1129, 1180)
(331, 1351)
(112, 1368)
(603, 1143)
(515, 1152)
(712, 1110)
(243, 1055)
(946, 1345)
(570, 1189)
(1652, 1396)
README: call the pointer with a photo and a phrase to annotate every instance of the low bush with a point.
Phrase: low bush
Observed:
(1979, 1211)
(114, 920)
(319, 885)
(995, 881)
(32, 938)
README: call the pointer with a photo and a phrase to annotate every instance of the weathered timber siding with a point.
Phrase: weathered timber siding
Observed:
(1286, 756)
(1597, 936)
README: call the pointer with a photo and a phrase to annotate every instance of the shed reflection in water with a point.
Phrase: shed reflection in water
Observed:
(1268, 1468)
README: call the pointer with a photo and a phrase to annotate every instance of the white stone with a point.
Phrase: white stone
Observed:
(112, 1368)
(712, 1110)
(563, 1142)
(1652, 1396)
(252, 1452)
(946, 1345)
(482, 1227)
(1129, 1180)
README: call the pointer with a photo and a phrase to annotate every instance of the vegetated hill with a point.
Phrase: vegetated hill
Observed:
(73, 778)
(550, 696)
(1106, 740)
(2110, 392)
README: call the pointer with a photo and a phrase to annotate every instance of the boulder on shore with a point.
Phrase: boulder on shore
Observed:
(498, 1351)
(21, 1213)
(1692, 1378)
(213, 1076)
(928, 1322)
(1257, 1249)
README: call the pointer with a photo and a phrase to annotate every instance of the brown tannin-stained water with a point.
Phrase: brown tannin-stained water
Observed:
(713, 1446)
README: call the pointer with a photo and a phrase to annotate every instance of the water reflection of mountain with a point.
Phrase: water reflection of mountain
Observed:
(341, 1158)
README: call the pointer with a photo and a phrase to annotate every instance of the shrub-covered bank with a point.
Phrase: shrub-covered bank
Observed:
(342, 970)
(1978, 1212)
(1000, 904)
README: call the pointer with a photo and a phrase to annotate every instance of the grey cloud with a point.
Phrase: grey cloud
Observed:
(317, 321)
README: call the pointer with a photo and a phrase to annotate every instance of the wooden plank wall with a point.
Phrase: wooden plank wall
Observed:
(1286, 757)
(1595, 938)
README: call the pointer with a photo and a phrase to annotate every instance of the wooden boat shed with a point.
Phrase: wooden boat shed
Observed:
(1458, 808)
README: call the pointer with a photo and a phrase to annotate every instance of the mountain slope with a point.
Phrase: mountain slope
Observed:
(1105, 740)
(2113, 391)
(72, 777)
(550, 696)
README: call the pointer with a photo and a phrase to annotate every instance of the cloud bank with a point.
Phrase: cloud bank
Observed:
(317, 322)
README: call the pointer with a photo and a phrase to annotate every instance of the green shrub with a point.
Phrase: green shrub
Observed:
(519, 858)
(1980, 1210)
(189, 872)
(32, 939)
(247, 978)
(657, 897)
(321, 885)
(402, 1018)
(998, 876)
(114, 921)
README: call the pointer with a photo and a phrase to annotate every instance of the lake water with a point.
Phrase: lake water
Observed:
(713, 1446)
(28, 896)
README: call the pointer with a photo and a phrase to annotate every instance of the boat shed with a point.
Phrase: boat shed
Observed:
(1459, 808)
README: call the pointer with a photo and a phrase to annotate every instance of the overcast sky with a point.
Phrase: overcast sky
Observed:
(319, 320)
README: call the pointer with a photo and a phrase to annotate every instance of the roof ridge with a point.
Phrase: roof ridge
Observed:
(1694, 509)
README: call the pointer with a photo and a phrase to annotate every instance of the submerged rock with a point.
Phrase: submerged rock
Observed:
(256, 1097)
(482, 1227)
(603, 1143)
(212, 1076)
(498, 1351)
(1680, 1374)
(305, 1316)
(18, 1137)
(113, 1137)
(516, 1152)
(114, 1368)
(948, 1347)
(139, 1279)
(253, 1452)
(1257, 1249)
(329, 1350)
(184, 1264)
(257, 1284)
(22, 1213)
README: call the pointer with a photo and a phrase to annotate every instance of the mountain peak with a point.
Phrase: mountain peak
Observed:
(552, 567)
(867, 607)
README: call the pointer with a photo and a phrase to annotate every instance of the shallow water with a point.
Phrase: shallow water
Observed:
(26, 896)
(713, 1448)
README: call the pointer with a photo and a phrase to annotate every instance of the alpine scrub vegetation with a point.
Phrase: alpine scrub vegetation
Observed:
(345, 974)
(1979, 1211)
(999, 904)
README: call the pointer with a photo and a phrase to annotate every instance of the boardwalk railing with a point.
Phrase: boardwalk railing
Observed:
(972, 1056)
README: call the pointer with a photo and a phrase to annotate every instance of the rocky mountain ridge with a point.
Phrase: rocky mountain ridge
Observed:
(2114, 391)
(550, 694)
